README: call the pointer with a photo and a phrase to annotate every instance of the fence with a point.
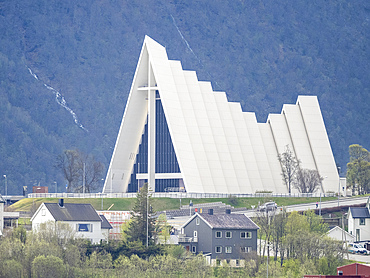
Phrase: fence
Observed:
(175, 195)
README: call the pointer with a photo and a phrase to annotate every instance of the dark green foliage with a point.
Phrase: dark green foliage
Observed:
(141, 227)
(358, 169)
(49, 266)
(262, 53)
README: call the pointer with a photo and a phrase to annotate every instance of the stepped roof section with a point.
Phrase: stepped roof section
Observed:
(219, 148)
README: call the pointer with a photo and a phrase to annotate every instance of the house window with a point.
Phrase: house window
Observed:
(43, 212)
(84, 227)
(228, 249)
(195, 233)
(218, 262)
(218, 234)
(245, 235)
(245, 249)
(218, 249)
(194, 249)
(237, 263)
(362, 221)
(197, 221)
(228, 234)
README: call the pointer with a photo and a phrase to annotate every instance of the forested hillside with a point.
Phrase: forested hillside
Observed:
(66, 68)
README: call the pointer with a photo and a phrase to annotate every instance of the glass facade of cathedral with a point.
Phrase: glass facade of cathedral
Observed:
(166, 161)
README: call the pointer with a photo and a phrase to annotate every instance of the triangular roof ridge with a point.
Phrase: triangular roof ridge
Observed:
(337, 227)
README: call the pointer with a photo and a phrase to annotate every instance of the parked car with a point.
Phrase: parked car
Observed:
(357, 248)
(269, 206)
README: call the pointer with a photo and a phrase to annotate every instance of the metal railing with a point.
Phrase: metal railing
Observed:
(187, 239)
(176, 195)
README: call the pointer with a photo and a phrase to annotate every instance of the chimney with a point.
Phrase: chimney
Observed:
(228, 211)
(210, 211)
(61, 203)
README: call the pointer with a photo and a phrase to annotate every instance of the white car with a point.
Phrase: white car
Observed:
(357, 248)
(270, 206)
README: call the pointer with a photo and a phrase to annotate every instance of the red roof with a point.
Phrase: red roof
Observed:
(356, 269)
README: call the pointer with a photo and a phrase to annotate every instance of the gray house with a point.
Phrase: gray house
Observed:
(222, 237)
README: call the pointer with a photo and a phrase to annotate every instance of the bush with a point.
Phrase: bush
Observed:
(49, 266)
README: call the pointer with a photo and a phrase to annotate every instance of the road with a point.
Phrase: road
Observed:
(359, 258)
(344, 201)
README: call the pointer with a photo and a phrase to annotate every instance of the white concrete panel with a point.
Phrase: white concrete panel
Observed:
(274, 165)
(280, 132)
(319, 141)
(219, 148)
(298, 135)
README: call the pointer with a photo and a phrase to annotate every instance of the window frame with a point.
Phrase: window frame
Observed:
(362, 221)
(247, 235)
(197, 221)
(220, 251)
(228, 249)
(245, 249)
(193, 249)
(89, 227)
(220, 232)
(230, 233)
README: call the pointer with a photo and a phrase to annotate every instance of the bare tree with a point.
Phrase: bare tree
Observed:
(81, 171)
(307, 181)
(69, 163)
(92, 172)
(289, 166)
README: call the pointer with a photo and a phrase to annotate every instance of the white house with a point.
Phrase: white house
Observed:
(338, 233)
(359, 222)
(82, 218)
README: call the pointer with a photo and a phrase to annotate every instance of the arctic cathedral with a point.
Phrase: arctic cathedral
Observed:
(178, 134)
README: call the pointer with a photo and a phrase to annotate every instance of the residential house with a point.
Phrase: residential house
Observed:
(359, 222)
(338, 233)
(82, 218)
(221, 238)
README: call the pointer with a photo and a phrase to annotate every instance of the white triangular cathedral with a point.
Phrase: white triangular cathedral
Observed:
(178, 134)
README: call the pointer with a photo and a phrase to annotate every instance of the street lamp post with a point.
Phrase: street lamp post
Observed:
(338, 184)
(6, 185)
(56, 187)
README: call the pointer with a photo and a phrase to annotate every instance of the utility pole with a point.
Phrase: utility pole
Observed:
(83, 181)
(338, 184)
(6, 185)
(147, 217)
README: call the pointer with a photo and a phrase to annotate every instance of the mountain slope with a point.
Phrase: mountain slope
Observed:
(262, 54)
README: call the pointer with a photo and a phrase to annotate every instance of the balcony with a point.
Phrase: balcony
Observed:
(185, 239)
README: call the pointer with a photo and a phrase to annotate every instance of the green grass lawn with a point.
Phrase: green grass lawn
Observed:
(159, 204)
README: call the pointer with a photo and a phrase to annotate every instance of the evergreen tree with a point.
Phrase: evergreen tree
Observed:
(142, 219)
